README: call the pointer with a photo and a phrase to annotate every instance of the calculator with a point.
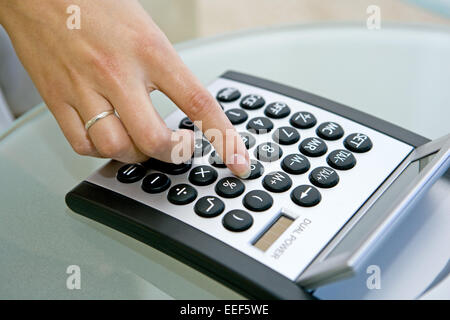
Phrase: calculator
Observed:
(327, 182)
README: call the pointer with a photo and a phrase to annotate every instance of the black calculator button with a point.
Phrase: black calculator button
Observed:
(155, 183)
(286, 135)
(324, 177)
(236, 116)
(248, 139)
(252, 102)
(169, 168)
(358, 142)
(237, 220)
(257, 170)
(201, 148)
(130, 173)
(268, 152)
(216, 161)
(257, 200)
(303, 120)
(295, 164)
(209, 207)
(175, 169)
(182, 194)
(228, 95)
(330, 131)
(313, 147)
(230, 187)
(277, 181)
(341, 159)
(306, 196)
(277, 110)
(186, 123)
(260, 125)
(202, 175)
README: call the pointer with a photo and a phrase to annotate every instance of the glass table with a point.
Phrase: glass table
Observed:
(399, 73)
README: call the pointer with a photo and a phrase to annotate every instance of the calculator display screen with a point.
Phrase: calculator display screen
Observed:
(273, 233)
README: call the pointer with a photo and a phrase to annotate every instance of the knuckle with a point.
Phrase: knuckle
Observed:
(83, 148)
(107, 67)
(155, 142)
(51, 93)
(199, 103)
(112, 149)
(151, 45)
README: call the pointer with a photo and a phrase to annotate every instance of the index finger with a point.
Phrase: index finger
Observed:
(186, 91)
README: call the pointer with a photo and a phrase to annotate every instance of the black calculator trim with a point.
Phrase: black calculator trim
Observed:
(196, 248)
(183, 242)
(363, 118)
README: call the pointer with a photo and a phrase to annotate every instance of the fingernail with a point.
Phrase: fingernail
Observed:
(241, 166)
(246, 175)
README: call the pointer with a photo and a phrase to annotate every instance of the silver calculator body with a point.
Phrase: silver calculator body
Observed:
(293, 245)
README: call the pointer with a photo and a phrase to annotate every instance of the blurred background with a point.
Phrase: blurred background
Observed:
(184, 20)
(188, 19)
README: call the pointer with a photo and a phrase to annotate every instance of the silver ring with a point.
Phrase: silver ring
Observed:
(100, 116)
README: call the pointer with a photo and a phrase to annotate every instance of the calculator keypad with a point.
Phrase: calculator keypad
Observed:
(274, 182)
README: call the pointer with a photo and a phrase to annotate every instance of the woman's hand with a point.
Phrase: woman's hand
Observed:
(113, 62)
